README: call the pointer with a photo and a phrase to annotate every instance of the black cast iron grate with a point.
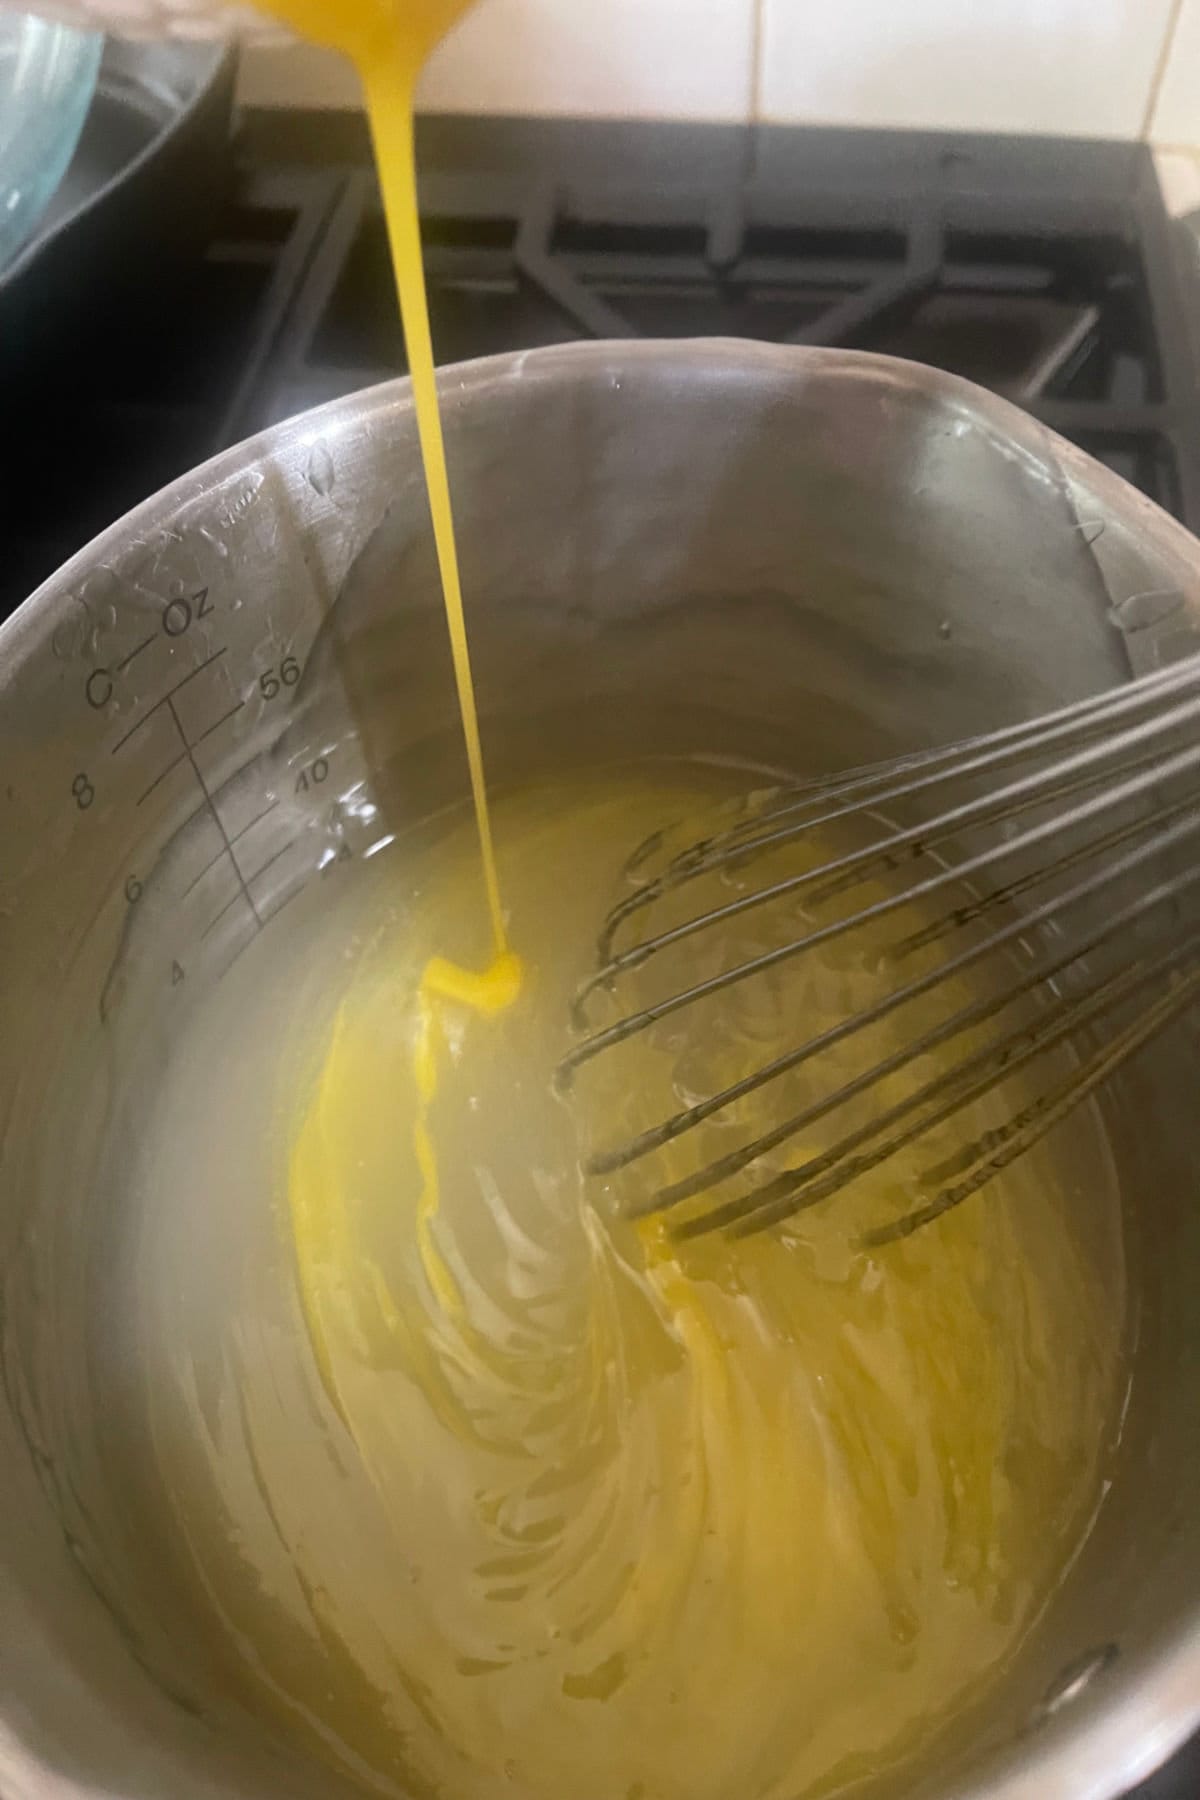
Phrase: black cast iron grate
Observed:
(1044, 269)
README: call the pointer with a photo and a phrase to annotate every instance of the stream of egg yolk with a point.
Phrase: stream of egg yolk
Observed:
(390, 41)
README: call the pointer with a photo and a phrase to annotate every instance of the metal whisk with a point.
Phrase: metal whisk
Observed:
(1050, 864)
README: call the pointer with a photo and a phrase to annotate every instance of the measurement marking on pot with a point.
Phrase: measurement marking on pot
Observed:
(228, 907)
(247, 896)
(286, 901)
(168, 698)
(174, 764)
(272, 860)
(209, 866)
(223, 720)
(193, 816)
(256, 820)
(134, 654)
(176, 617)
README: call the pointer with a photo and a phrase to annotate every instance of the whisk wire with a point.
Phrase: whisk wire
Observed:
(1112, 791)
(608, 1162)
(1040, 1117)
(794, 1190)
(876, 786)
(967, 1019)
(1182, 762)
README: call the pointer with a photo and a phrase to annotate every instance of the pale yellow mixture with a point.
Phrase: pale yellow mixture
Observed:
(484, 1491)
(508, 1497)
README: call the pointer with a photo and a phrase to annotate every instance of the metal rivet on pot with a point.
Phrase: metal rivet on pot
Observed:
(70, 635)
(321, 473)
(1074, 1680)
(1143, 611)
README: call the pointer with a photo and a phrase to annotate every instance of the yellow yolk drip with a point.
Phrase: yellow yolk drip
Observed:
(485, 995)
(390, 41)
(321, 1222)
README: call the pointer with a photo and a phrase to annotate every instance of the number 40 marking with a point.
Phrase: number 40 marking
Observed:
(313, 776)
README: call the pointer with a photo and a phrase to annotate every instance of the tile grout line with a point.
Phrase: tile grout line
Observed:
(758, 14)
(1162, 62)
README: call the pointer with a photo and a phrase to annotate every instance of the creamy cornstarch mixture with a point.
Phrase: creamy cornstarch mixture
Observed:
(485, 1491)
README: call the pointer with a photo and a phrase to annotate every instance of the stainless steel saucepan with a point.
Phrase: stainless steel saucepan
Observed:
(795, 557)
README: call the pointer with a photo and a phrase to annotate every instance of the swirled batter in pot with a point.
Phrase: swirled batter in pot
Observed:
(486, 1492)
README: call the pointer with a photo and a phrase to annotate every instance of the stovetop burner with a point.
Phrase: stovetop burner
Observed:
(1046, 269)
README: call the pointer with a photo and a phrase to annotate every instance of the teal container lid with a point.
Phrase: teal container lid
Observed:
(47, 79)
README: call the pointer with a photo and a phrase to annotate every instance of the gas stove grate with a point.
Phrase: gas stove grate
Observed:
(1044, 270)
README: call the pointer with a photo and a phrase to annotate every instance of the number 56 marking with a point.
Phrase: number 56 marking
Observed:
(273, 681)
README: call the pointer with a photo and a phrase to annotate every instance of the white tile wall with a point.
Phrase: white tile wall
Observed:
(1177, 114)
(625, 58)
(634, 58)
(1179, 179)
(1086, 67)
(1080, 67)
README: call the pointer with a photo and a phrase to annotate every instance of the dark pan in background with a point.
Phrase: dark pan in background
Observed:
(139, 200)
(90, 309)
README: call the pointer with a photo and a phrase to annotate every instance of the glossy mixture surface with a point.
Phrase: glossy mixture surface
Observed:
(485, 1491)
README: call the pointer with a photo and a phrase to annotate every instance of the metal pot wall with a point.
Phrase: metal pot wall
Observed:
(795, 557)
